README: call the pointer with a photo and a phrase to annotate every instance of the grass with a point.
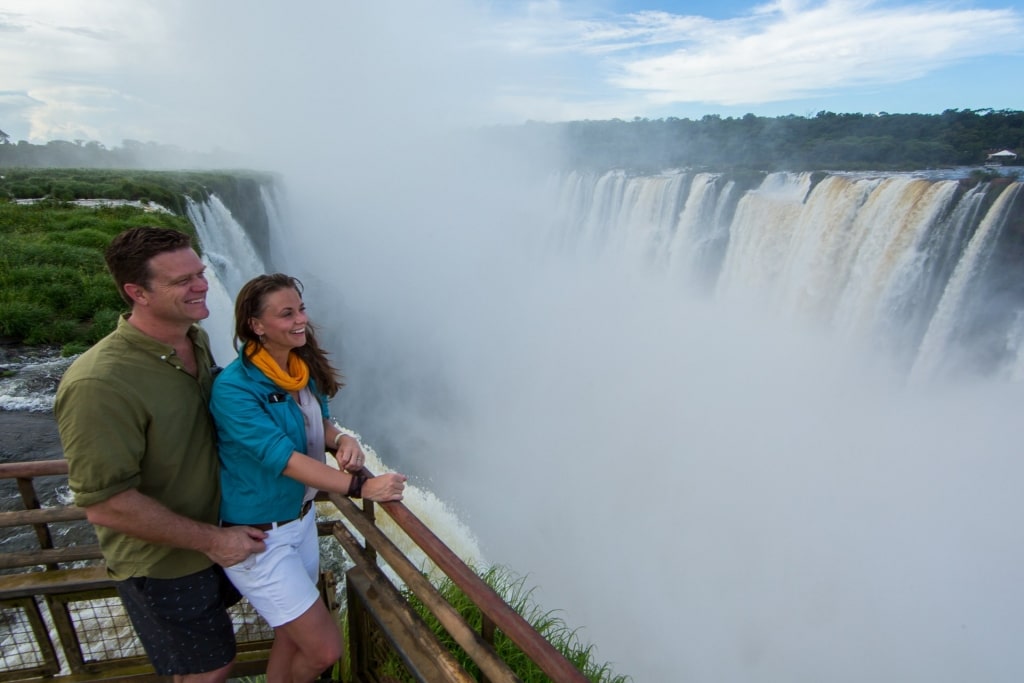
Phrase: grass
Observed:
(54, 285)
(552, 627)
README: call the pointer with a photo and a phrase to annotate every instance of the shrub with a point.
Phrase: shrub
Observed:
(73, 349)
(18, 317)
(52, 331)
(54, 285)
(103, 323)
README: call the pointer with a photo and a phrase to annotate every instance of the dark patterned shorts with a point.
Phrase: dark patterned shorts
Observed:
(183, 623)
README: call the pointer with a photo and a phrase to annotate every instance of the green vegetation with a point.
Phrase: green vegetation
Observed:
(54, 285)
(132, 154)
(512, 589)
(824, 141)
(169, 189)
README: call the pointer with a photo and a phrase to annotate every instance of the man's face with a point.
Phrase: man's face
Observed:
(177, 287)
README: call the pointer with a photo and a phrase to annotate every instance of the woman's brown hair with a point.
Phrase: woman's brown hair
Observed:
(251, 302)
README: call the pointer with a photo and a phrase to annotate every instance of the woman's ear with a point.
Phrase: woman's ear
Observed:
(256, 326)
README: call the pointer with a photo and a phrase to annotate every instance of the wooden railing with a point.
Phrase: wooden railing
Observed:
(383, 627)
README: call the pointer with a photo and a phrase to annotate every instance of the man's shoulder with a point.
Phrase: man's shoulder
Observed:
(101, 359)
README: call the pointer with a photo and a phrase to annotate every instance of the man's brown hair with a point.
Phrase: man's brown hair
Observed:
(129, 253)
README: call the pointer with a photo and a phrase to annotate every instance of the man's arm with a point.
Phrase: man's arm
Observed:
(138, 515)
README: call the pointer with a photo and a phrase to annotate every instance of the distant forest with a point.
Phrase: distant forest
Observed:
(824, 141)
(132, 154)
(795, 143)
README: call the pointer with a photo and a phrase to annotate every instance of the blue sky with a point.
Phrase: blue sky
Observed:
(201, 72)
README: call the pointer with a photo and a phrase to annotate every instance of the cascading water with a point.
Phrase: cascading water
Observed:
(229, 254)
(680, 405)
(869, 257)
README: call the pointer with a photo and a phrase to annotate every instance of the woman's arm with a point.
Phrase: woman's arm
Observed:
(313, 473)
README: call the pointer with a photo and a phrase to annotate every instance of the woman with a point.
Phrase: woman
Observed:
(273, 423)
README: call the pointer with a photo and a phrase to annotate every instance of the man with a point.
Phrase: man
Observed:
(142, 458)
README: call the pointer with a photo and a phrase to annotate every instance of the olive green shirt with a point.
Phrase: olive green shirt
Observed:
(131, 417)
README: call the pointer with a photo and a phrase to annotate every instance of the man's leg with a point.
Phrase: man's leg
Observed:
(183, 624)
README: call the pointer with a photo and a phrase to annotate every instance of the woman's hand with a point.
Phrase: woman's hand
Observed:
(350, 455)
(384, 487)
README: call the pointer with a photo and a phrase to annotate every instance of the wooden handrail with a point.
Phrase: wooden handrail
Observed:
(34, 468)
(69, 513)
(30, 558)
(469, 640)
(492, 605)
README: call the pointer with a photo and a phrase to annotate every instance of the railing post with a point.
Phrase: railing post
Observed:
(31, 502)
(487, 633)
(369, 511)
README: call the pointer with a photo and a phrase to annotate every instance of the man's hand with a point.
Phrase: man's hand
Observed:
(234, 544)
(135, 514)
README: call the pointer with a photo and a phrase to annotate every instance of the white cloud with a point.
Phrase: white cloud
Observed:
(65, 67)
(205, 74)
(779, 51)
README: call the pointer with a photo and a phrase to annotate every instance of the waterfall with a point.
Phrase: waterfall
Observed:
(655, 400)
(868, 257)
(231, 261)
(941, 335)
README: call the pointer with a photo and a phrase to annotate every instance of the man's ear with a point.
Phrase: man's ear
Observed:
(137, 293)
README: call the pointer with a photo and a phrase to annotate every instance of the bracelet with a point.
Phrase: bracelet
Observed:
(337, 438)
(355, 487)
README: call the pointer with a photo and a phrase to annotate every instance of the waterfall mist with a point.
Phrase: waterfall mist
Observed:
(713, 493)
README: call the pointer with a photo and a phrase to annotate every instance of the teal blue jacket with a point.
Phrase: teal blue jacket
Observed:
(258, 427)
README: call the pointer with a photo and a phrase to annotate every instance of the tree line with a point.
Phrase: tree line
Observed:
(132, 154)
(825, 141)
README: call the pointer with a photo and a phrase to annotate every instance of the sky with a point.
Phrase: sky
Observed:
(163, 71)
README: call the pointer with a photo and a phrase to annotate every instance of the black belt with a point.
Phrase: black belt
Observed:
(267, 526)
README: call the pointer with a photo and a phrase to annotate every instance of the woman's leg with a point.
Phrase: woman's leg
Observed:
(305, 647)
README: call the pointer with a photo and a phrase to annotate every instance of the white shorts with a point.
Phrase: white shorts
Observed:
(281, 581)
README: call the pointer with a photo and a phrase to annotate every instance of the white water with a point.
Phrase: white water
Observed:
(737, 485)
(231, 260)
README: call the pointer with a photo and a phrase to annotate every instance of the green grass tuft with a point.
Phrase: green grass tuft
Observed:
(513, 589)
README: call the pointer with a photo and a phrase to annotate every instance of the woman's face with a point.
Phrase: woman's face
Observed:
(282, 324)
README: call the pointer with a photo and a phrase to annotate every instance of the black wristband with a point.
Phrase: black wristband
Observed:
(355, 487)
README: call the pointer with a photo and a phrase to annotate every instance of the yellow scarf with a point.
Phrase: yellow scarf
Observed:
(294, 379)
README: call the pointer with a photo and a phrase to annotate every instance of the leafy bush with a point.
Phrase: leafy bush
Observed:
(54, 285)
(17, 318)
(103, 323)
(52, 332)
(73, 349)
